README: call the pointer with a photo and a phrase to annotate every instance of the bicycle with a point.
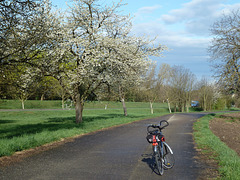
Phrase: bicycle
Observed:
(162, 153)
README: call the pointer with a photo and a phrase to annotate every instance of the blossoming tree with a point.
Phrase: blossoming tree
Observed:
(96, 48)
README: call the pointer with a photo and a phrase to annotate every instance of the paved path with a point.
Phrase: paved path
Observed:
(117, 153)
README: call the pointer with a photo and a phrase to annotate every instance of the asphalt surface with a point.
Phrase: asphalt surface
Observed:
(117, 153)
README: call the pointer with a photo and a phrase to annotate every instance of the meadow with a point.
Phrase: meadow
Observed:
(56, 104)
(25, 129)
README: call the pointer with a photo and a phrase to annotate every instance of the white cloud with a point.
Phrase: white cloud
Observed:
(169, 37)
(185, 31)
(193, 10)
(198, 15)
(227, 9)
(148, 9)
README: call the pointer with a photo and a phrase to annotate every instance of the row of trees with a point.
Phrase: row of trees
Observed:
(175, 85)
(87, 49)
(178, 86)
(89, 53)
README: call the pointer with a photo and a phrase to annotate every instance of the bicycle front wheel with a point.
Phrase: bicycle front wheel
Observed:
(168, 156)
(159, 160)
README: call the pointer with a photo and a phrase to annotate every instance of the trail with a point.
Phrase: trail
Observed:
(117, 153)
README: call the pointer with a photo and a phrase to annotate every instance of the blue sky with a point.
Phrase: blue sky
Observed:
(182, 25)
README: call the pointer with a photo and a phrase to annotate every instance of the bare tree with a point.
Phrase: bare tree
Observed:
(149, 85)
(225, 50)
(206, 92)
(162, 83)
(181, 83)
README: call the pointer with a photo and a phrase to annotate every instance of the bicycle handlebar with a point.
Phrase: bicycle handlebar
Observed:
(158, 126)
(164, 121)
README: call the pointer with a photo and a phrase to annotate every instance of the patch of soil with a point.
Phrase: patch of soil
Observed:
(210, 166)
(227, 128)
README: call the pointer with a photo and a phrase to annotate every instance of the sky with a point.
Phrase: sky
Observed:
(181, 25)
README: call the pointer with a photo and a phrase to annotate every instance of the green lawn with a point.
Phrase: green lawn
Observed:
(30, 104)
(20, 130)
(228, 159)
(56, 104)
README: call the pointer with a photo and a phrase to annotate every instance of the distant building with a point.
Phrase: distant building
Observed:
(194, 104)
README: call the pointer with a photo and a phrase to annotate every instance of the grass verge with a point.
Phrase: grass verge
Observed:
(229, 161)
(21, 130)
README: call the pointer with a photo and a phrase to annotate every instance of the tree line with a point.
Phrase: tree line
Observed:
(89, 53)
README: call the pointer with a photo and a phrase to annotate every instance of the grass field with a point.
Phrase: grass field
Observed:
(56, 104)
(30, 104)
(20, 130)
(228, 159)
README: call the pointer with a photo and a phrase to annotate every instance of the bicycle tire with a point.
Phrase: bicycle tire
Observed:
(168, 157)
(159, 161)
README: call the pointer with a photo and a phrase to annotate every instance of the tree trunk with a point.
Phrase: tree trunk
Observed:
(23, 107)
(169, 107)
(42, 97)
(187, 107)
(151, 107)
(124, 107)
(62, 102)
(79, 109)
(204, 104)
(121, 95)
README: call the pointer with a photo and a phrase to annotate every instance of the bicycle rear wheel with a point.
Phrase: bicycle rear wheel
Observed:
(159, 160)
